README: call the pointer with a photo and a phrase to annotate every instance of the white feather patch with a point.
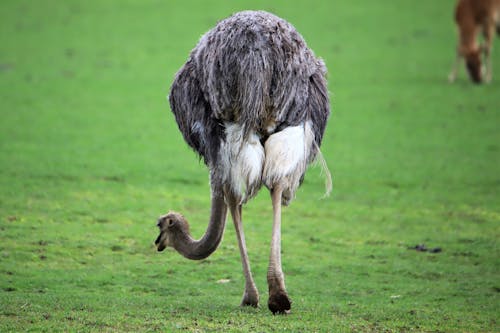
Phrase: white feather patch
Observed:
(287, 153)
(244, 160)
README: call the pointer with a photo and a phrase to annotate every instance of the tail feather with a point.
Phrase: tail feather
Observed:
(324, 171)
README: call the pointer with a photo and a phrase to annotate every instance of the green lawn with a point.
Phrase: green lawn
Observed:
(90, 156)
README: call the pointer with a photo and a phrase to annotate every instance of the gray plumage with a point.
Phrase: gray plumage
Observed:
(255, 69)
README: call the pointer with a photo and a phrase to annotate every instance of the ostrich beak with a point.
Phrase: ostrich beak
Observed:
(159, 246)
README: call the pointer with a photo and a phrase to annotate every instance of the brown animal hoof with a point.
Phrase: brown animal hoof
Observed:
(279, 303)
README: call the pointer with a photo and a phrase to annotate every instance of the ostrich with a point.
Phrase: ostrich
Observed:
(252, 101)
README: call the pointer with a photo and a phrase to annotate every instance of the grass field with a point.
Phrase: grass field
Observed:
(90, 156)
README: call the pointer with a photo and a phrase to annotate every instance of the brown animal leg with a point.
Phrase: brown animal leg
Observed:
(278, 298)
(454, 70)
(251, 294)
(488, 32)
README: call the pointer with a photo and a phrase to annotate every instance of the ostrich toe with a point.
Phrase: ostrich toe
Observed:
(279, 303)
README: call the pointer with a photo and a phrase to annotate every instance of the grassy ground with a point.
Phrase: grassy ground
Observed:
(90, 156)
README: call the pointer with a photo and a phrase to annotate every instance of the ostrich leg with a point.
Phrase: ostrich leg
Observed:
(251, 294)
(278, 298)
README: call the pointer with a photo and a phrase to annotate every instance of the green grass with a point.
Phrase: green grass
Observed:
(90, 156)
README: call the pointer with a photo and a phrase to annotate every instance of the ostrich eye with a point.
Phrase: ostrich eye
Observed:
(170, 222)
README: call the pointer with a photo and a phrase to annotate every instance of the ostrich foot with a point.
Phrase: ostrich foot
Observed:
(250, 298)
(279, 303)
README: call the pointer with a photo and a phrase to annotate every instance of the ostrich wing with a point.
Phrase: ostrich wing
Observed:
(194, 115)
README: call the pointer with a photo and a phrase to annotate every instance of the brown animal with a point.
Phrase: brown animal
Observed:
(473, 17)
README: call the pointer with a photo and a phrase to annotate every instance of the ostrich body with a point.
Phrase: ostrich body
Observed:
(252, 101)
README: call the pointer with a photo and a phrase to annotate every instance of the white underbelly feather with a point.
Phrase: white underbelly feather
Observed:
(248, 165)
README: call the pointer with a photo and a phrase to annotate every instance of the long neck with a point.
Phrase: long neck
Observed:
(200, 249)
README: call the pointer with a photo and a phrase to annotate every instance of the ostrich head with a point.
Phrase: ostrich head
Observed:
(174, 231)
(172, 227)
(473, 63)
